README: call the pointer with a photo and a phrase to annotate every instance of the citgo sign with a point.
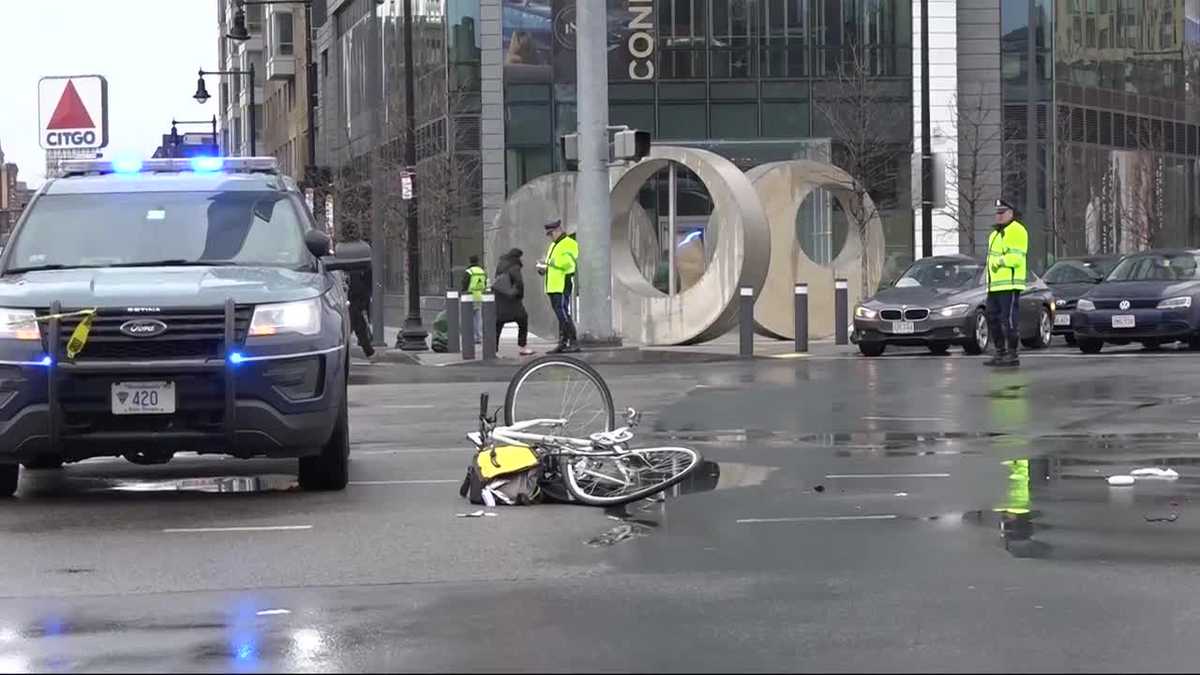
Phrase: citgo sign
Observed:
(73, 112)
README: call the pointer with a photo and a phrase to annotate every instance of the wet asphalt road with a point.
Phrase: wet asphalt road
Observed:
(901, 513)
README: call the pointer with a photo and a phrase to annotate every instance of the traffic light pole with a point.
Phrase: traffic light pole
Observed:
(594, 230)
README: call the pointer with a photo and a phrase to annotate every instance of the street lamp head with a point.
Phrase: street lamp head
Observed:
(201, 95)
(238, 31)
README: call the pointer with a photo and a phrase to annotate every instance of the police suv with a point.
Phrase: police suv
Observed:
(167, 305)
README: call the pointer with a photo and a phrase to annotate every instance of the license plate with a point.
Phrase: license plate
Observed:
(143, 398)
(1123, 321)
(903, 327)
(1062, 319)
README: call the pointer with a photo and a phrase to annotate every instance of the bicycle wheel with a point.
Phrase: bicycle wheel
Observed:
(612, 480)
(563, 388)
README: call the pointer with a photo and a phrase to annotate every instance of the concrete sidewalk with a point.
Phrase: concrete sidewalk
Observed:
(724, 348)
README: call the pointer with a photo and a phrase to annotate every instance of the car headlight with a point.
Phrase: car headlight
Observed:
(19, 324)
(1085, 305)
(954, 310)
(1176, 303)
(302, 317)
(865, 312)
(1060, 303)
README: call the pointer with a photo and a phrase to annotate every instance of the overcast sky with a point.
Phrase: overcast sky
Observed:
(149, 51)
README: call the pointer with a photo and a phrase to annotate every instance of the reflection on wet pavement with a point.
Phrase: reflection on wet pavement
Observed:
(65, 483)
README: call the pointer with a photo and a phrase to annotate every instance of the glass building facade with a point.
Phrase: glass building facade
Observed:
(1107, 160)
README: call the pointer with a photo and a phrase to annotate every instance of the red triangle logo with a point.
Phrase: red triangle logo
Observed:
(70, 112)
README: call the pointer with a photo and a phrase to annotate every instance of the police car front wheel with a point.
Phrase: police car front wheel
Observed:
(330, 470)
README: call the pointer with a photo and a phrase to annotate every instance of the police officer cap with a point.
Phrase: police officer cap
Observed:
(1002, 205)
(553, 225)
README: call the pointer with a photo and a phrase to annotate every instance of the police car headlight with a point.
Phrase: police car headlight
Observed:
(18, 324)
(302, 317)
(1085, 305)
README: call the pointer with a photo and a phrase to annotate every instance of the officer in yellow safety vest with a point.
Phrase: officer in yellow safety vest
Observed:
(559, 269)
(475, 282)
(1007, 253)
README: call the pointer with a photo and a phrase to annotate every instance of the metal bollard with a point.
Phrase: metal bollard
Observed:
(466, 323)
(452, 339)
(841, 314)
(490, 338)
(801, 295)
(746, 323)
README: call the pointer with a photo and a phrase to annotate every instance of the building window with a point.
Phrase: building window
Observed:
(254, 16)
(282, 33)
(325, 63)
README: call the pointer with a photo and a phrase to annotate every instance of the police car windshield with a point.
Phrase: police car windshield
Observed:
(1157, 267)
(951, 274)
(250, 228)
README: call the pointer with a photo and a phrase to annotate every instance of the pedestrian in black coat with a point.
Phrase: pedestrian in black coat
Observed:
(509, 288)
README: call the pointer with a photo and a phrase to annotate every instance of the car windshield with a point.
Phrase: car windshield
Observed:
(1078, 271)
(146, 228)
(1157, 267)
(941, 274)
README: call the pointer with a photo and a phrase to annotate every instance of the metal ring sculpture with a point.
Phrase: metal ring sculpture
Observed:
(782, 187)
(707, 309)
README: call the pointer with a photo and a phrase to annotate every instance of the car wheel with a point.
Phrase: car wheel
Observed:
(9, 473)
(1152, 345)
(1089, 346)
(871, 348)
(330, 470)
(1194, 343)
(1045, 331)
(939, 350)
(978, 343)
(44, 462)
(1070, 338)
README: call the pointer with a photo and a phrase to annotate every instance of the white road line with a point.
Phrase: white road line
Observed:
(405, 482)
(403, 406)
(887, 475)
(273, 612)
(262, 528)
(877, 418)
(815, 519)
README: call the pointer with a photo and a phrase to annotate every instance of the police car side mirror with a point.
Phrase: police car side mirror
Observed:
(349, 256)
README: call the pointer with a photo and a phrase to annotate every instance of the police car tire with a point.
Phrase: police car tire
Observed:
(9, 473)
(330, 470)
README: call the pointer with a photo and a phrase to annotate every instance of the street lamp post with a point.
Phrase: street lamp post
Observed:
(240, 33)
(202, 96)
(412, 337)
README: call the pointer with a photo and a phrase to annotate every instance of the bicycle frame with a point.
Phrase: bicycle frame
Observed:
(516, 434)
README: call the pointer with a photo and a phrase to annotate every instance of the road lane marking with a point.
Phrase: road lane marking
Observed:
(887, 475)
(257, 528)
(406, 482)
(904, 419)
(815, 519)
(273, 612)
(403, 406)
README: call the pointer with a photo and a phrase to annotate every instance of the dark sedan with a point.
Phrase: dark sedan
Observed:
(1151, 297)
(1070, 279)
(941, 301)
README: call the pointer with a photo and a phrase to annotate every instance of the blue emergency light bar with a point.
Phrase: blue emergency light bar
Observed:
(79, 167)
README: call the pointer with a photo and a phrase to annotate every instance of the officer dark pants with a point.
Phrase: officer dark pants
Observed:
(1004, 313)
(362, 329)
(560, 302)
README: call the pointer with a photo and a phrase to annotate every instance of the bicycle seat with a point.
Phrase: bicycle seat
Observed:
(613, 437)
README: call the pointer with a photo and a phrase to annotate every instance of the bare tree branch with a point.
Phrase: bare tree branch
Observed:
(979, 133)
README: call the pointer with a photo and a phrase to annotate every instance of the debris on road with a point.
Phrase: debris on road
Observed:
(1169, 518)
(618, 534)
(477, 514)
(1120, 480)
(1155, 472)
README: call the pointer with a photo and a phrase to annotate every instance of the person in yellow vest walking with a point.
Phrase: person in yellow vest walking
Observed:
(1007, 254)
(475, 282)
(559, 269)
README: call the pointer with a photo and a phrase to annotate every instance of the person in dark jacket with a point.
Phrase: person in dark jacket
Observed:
(509, 288)
(360, 283)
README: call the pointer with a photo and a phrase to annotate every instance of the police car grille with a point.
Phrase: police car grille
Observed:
(190, 334)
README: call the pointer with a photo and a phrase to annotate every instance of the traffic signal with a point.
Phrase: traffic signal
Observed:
(632, 145)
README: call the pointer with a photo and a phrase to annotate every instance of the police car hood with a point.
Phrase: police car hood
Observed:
(181, 287)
